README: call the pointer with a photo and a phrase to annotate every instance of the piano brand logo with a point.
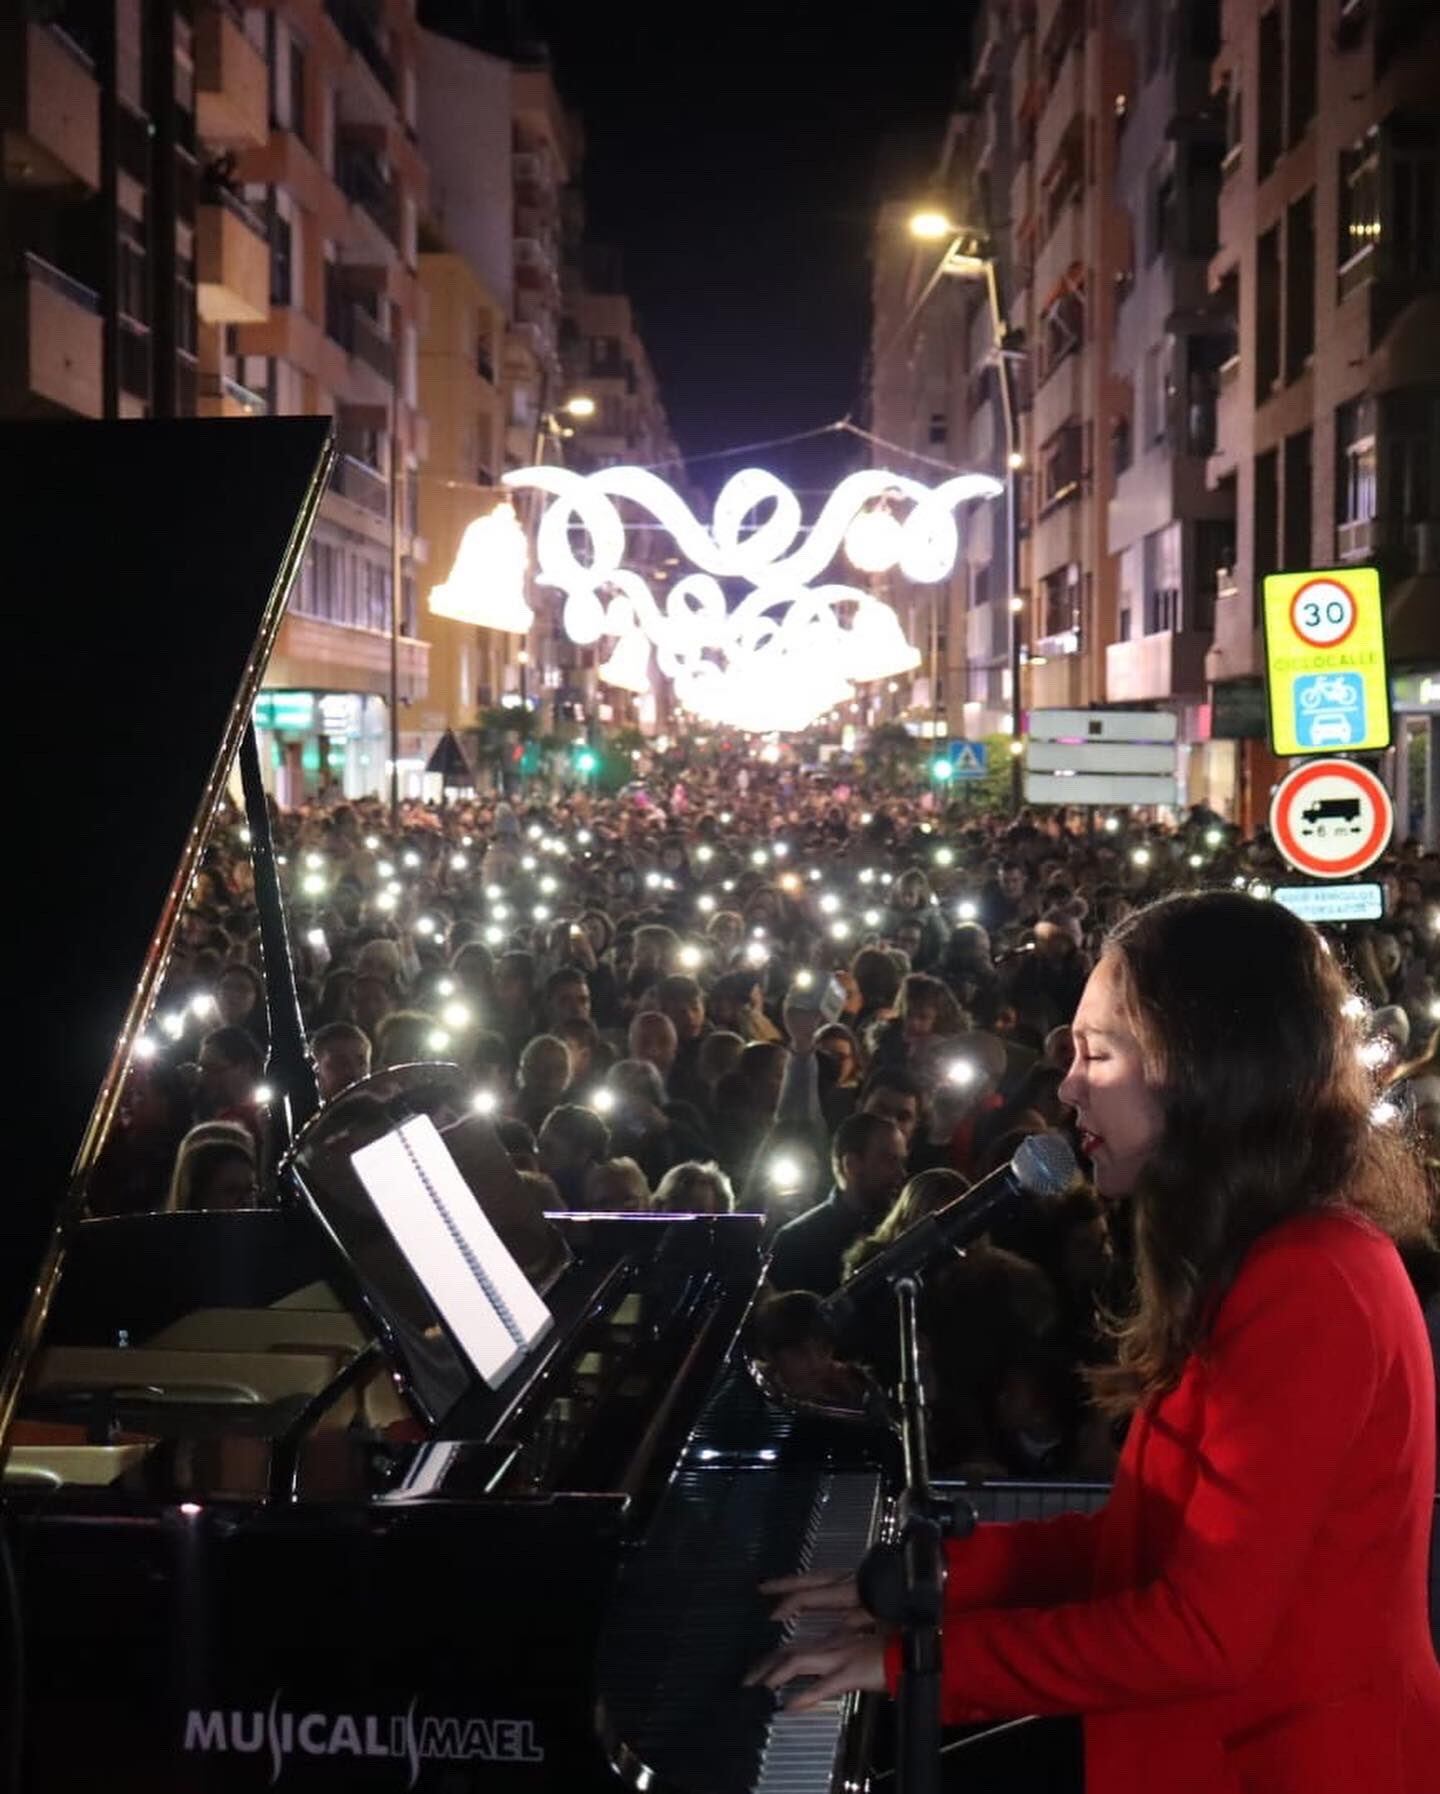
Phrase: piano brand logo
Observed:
(410, 1738)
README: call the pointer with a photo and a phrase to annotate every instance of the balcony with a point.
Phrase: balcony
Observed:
(220, 396)
(50, 343)
(1168, 664)
(51, 110)
(369, 343)
(1355, 540)
(362, 485)
(365, 184)
(355, 21)
(231, 109)
(232, 258)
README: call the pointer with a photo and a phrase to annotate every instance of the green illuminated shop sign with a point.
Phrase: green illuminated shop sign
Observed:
(292, 710)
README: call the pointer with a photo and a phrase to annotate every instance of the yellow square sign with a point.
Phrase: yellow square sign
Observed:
(1325, 675)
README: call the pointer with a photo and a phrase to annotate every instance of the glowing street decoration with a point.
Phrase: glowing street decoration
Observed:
(783, 655)
(487, 583)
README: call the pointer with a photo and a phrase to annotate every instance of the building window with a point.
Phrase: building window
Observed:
(1299, 285)
(1354, 477)
(297, 88)
(939, 429)
(1122, 443)
(281, 270)
(1359, 211)
(1159, 389)
(1271, 88)
(1162, 579)
(1061, 466)
(1234, 114)
(1267, 315)
(1162, 211)
(1304, 67)
(1060, 604)
(1062, 327)
(1415, 200)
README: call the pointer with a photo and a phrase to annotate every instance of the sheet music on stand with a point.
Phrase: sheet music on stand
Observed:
(488, 1305)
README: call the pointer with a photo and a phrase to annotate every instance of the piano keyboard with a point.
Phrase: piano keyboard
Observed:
(801, 1748)
(689, 1621)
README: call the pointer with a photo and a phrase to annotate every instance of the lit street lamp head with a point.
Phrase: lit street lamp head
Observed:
(582, 405)
(931, 227)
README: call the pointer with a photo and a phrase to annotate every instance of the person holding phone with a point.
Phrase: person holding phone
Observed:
(1247, 1614)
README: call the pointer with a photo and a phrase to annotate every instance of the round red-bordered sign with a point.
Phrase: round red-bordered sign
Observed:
(1331, 818)
(1322, 638)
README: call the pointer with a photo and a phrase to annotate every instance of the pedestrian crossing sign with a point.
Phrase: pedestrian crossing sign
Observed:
(969, 759)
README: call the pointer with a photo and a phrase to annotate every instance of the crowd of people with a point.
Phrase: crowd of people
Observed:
(827, 1004)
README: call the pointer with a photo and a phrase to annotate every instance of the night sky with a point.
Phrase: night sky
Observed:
(735, 155)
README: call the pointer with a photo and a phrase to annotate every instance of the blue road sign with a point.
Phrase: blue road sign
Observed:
(969, 759)
(1329, 710)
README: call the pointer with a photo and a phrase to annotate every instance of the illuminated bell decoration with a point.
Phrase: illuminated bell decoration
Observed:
(792, 647)
(629, 664)
(487, 583)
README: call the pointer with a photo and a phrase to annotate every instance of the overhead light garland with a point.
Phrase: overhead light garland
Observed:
(791, 649)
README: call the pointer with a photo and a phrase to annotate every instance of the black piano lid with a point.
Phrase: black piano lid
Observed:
(148, 565)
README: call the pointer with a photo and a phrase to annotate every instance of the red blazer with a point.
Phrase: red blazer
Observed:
(1247, 1615)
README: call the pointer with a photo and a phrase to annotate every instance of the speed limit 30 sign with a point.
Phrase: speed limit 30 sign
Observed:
(1331, 818)
(1325, 662)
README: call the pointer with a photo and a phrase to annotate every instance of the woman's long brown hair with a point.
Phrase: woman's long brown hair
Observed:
(1266, 1108)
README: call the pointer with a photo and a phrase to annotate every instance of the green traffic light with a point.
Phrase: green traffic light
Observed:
(941, 769)
(585, 761)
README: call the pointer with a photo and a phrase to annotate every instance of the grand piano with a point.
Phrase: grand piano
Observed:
(260, 1519)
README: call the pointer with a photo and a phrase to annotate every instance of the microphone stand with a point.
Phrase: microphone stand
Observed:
(903, 1584)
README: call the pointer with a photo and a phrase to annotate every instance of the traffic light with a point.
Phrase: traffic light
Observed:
(941, 769)
(586, 760)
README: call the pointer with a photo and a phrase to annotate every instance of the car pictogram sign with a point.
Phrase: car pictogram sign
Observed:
(1331, 818)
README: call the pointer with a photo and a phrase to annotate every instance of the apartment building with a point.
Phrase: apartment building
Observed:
(1328, 415)
(1168, 531)
(604, 360)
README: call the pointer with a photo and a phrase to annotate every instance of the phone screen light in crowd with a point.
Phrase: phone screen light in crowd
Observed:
(1434, 919)
(944, 856)
(494, 935)
(1433, 1009)
(866, 818)
(549, 884)
(411, 859)
(755, 953)
(726, 818)
(691, 958)
(1197, 859)
(313, 884)
(758, 931)
(456, 1014)
(281, 859)
(1372, 1054)
(244, 837)
(371, 843)
(529, 863)
(603, 1101)
(887, 878)
(467, 840)
(445, 987)
(1354, 1007)
(541, 912)
(1140, 857)
(315, 937)
(1112, 825)
(804, 979)
(459, 861)
(867, 875)
(759, 857)
(815, 875)
(1384, 1114)
(173, 1025)
(485, 1102)
(1237, 883)
(386, 901)
(584, 838)
(705, 903)
(960, 1073)
(1260, 890)
(785, 1173)
(781, 848)
(494, 892)
(967, 911)
(262, 1094)
(1214, 836)
(704, 853)
(668, 883)
(425, 925)
(145, 1047)
(385, 868)
(534, 831)
(829, 902)
(873, 918)
(790, 882)
(840, 931)
(652, 881)
(315, 861)
(727, 884)
(437, 1040)
(396, 889)
(203, 1004)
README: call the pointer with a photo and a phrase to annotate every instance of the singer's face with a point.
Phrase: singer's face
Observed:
(1117, 1110)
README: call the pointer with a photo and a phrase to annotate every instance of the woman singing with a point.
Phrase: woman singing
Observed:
(1247, 1615)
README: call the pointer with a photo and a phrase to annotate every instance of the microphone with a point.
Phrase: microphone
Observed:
(1043, 1166)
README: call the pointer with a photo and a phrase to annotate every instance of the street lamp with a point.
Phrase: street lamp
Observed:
(581, 405)
(968, 257)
